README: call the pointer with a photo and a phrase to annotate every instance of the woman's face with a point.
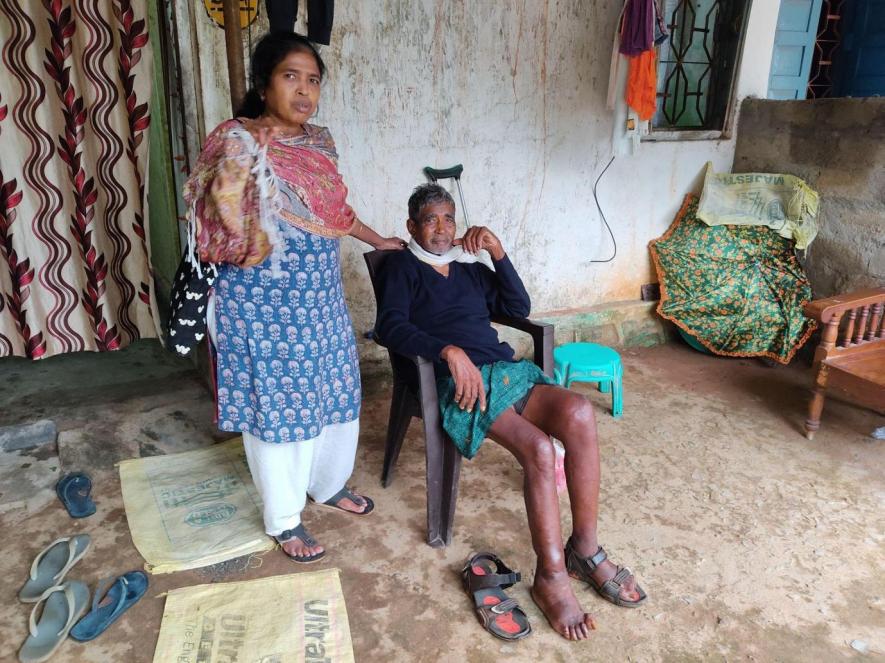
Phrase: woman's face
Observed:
(293, 93)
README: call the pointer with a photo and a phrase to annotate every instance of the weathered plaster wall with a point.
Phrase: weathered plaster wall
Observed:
(838, 147)
(516, 92)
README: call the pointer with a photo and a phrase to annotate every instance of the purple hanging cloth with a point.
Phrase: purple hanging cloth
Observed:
(638, 27)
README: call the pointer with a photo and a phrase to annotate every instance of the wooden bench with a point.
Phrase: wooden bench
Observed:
(851, 354)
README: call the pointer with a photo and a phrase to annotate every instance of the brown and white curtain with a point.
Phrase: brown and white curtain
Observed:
(75, 84)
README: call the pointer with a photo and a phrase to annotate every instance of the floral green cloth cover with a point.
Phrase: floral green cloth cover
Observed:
(739, 290)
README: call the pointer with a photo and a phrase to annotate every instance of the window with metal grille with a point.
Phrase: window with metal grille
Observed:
(697, 64)
(826, 49)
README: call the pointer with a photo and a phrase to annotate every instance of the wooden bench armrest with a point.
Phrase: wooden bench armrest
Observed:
(823, 310)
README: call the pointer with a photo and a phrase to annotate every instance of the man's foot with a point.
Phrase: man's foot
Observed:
(554, 595)
(592, 567)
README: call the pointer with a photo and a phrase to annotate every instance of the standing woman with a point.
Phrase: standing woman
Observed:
(268, 207)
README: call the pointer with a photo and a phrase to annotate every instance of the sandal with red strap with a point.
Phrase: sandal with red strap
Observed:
(484, 576)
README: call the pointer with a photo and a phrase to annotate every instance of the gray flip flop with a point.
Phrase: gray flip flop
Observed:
(52, 565)
(62, 605)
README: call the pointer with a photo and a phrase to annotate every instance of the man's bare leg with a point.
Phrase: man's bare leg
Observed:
(551, 589)
(569, 417)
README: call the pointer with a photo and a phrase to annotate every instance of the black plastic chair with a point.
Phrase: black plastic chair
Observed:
(414, 395)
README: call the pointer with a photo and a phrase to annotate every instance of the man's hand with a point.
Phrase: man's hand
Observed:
(478, 238)
(468, 380)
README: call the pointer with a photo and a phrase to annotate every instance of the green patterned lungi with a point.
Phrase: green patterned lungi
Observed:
(505, 382)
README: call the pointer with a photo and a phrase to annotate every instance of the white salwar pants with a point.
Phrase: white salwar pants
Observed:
(285, 473)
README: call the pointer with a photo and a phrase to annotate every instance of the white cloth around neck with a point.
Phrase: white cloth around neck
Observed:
(454, 254)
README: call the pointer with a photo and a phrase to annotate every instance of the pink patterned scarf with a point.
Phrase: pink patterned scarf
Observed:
(236, 187)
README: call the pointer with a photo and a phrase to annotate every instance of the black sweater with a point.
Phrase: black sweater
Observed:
(420, 311)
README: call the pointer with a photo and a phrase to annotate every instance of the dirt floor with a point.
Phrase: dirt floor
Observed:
(752, 542)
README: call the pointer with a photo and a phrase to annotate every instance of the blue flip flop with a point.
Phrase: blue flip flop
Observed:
(113, 597)
(73, 491)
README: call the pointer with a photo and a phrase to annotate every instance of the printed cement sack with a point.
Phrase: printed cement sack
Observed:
(784, 203)
(193, 509)
(296, 618)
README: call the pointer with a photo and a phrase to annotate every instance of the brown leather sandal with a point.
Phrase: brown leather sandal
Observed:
(582, 568)
(484, 575)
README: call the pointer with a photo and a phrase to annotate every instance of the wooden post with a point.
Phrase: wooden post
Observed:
(849, 330)
(816, 406)
(828, 339)
(861, 326)
(233, 42)
(874, 323)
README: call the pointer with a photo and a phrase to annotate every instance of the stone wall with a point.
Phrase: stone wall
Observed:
(838, 147)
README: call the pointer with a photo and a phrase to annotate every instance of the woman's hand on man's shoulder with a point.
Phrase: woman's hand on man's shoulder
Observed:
(391, 243)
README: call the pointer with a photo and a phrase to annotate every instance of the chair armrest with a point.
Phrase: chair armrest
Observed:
(542, 337)
(425, 384)
(423, 366)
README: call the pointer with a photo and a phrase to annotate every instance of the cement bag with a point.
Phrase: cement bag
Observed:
(297, 618)
(193, 509)
(784, 203)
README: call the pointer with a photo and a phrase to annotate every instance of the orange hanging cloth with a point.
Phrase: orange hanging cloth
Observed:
(642, 84)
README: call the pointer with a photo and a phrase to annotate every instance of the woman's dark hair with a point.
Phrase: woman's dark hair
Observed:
(427, 194)
(269, 52)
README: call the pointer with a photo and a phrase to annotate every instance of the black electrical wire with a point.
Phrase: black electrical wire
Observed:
(602, 214)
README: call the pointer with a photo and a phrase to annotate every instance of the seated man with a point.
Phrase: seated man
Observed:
(435, 301)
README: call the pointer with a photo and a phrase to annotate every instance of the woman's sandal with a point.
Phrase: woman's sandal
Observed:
(484, 575)
(345, 493)
(299, 533)
(582, 568)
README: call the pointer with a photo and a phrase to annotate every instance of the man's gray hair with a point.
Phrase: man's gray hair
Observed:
(427, 194)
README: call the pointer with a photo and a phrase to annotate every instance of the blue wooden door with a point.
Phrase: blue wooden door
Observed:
(793, 48)
(860, 61)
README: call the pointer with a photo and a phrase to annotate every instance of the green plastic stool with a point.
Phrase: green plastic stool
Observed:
(590, 362)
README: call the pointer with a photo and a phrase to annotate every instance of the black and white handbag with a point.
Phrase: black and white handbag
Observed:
(186, 326)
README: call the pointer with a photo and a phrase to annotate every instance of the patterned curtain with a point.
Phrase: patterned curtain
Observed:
(75, 83)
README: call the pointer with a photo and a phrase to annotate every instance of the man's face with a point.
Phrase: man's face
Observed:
(434, 229)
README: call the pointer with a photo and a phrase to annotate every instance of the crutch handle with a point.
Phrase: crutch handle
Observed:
(434, 174)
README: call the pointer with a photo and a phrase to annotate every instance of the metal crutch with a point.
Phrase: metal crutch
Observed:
(434, 174)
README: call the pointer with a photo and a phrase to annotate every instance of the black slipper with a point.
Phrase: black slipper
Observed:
(299, 533)
(332, 502)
